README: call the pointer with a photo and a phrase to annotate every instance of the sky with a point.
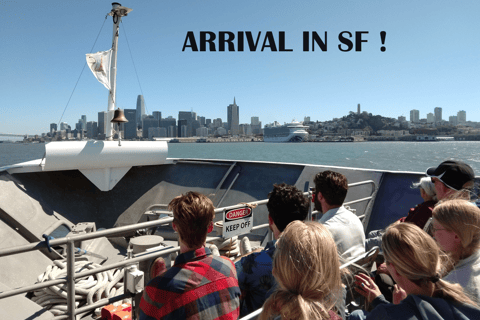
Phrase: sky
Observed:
(431, 59)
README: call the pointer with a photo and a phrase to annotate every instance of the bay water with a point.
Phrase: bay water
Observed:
(391, 155)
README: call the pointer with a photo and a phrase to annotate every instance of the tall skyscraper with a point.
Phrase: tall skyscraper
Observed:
(130, 127)
(256, 125)
(453, 120)
(233, 118)
(84, 120)
(414, 116)
(438, 114)
(140, 110)
(462, 116)
(53, 127)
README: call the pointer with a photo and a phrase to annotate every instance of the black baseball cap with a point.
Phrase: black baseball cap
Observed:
(453, 174)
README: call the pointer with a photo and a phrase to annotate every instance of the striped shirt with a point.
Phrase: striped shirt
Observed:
(198, 286)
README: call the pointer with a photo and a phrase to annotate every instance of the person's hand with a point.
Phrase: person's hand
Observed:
(382, 269)
(398, 294)
(367, 287)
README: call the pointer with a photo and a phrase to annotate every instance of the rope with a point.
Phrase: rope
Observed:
(88, 290)
(133, 62)
(85, 64)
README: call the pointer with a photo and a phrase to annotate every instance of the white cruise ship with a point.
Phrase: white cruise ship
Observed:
(290, 132)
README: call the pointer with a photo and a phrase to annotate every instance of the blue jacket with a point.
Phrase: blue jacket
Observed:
(419, 307)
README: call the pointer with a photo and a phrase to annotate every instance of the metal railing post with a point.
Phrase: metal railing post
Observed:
(70, 279)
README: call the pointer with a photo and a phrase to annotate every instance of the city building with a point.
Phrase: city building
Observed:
(430, 118)
(149, 122)
(233, 118)
(190, 117)
(414, 116)
(256, 125)
(202, 132)
(170, 124)
(358, 108)
(202, 121)
(156, 133)
(402, 119)
(453, 120)
(157, 115)
(130, 127)
(182, 123)
(462, 116)
(102, 125)
(53, 127)
(140, 110)
(438, 114)
(92, 130)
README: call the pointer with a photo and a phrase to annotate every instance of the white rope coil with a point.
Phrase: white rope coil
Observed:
(88, 290)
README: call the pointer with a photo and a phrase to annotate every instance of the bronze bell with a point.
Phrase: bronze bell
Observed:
(119, 116)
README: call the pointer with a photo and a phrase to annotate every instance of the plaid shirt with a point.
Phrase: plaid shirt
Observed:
(198, 286)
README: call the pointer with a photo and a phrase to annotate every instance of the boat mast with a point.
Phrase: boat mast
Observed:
(118, 11)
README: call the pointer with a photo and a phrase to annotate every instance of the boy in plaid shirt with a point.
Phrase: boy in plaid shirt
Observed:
(199, 285)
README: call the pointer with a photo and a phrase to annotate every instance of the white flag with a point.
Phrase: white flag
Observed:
(99, 63)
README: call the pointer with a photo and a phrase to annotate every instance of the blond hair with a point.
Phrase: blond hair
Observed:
(462, 218)
(307, 269)
(417, 257)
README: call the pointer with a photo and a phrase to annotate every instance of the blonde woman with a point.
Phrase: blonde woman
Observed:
(456, 228)
(414, 261)
(307, 270)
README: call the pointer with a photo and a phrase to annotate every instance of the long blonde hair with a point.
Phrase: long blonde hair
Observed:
(307, 269)
(463, 218)
(417, 257)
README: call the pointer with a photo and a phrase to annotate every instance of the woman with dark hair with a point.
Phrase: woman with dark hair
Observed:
(414, 261)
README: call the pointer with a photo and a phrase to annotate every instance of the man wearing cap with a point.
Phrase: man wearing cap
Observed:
(451, 176)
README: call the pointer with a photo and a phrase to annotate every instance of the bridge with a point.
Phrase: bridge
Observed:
(13, 135)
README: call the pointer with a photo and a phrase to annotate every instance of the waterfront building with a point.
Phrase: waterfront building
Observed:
(462, 116)
(414, 116)
(140, 110)
(92, 130)
(256, 125)
(202, 132)
(130, 127)
(149, 122)
(438, 114)
(430, 118)
(156, 133)
(53, 127)
(233, 118)
(202, 121)
(246, 129)
(157, 115)
(221, 131)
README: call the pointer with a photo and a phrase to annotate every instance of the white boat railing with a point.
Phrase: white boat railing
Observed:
(69, 280)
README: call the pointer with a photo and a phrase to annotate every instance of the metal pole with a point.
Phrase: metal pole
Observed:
(70, 279)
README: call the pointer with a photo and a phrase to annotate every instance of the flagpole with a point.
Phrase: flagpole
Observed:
(118, 11)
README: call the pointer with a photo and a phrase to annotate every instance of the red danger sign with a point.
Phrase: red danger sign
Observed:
(238, 214)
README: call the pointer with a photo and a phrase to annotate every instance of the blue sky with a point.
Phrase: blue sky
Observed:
(431, 59)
